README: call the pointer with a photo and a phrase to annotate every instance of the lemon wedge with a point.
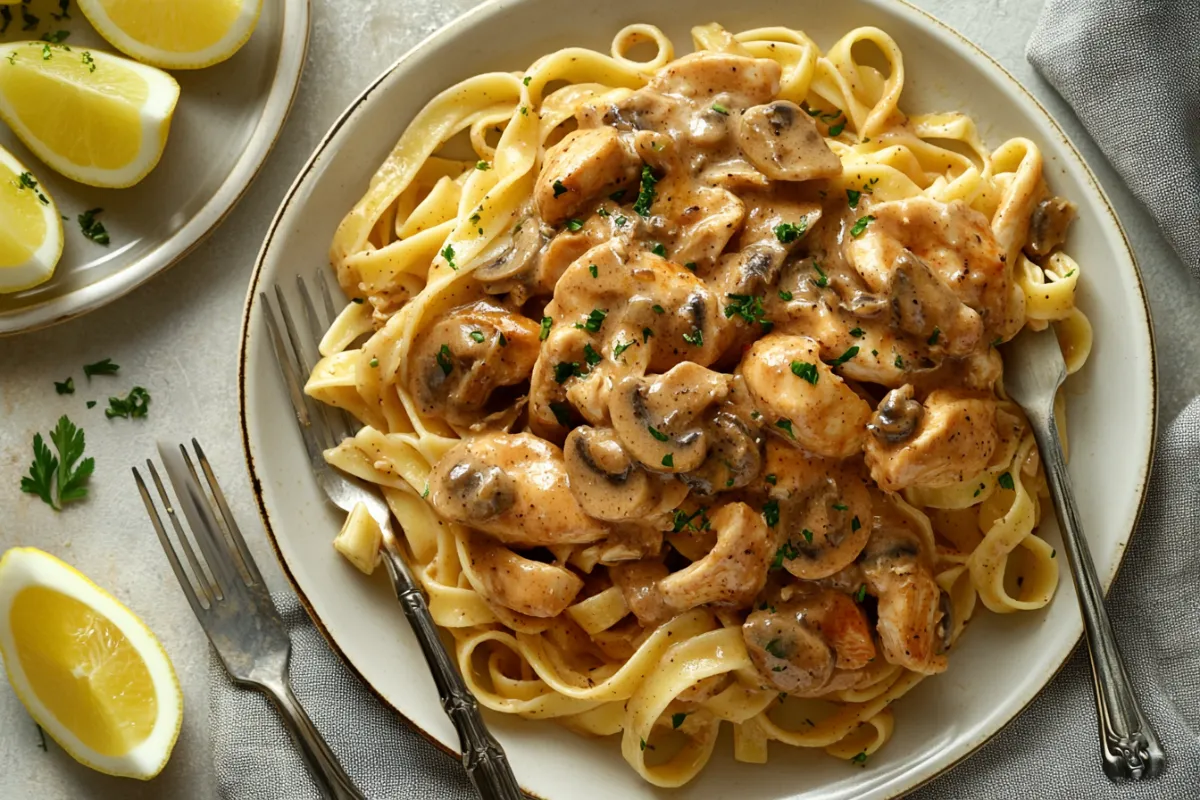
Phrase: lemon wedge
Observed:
(175, 35)
(88, 671)
(31, 232)
(97, 118)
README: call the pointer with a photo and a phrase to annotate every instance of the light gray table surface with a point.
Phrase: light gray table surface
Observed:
(178, 335)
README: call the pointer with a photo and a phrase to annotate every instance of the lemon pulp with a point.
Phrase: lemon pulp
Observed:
(84, 670)
(25, 223)
(174, 27)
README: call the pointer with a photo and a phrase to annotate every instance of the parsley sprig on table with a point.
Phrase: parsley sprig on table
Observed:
(59, 479)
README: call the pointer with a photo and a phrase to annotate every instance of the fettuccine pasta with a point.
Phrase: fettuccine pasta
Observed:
(681, 377)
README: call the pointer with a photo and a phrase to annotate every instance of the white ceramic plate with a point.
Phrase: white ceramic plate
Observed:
(1002, 663)
(228, 118)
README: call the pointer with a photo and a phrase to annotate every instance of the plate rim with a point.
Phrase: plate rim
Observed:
(285, 84)
(489, 6)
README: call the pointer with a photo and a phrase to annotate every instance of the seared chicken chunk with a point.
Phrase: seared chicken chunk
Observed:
(585, 165)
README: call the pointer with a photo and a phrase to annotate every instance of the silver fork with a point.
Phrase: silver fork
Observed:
(322, 428)
(231, 601)
(1130, 749)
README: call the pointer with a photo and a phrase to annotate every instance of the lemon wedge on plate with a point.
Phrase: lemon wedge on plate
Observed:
(97, 118)
(175, 35)
(89, 671)
(31, 232)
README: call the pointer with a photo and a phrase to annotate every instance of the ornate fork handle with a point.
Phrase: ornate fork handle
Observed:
(1129, 746)
(483, 757)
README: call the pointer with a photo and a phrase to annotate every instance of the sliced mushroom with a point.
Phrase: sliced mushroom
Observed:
(521, 584)
(783, 143)
(923, 306)
(638, 582)
(734, 458)
(458, 361)
(1048, 225)
(606, 480)
(585, 165)
(658, 419)
(954, 440)
(897, 416)
(513, 486)
(733, 572)
(517, 262)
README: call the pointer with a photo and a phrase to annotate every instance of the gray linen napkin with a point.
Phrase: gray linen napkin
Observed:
(1128, 70)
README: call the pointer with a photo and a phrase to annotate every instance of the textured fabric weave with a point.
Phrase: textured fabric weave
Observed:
(1131, 71)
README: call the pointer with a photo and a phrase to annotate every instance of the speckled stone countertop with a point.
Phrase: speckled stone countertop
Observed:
(178, 337)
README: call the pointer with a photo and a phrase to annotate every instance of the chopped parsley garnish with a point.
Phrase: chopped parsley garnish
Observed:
(646, 192)
(720, 109)
(806, 371)
(770, 512)
(524, 111)
(786, 425)
(933, 337)
(547, 322)
(1006, 481)
(474, 219)
(861, 225)
(785, 295)
(691, 265)
(668, 460)
(58, 37)
(775, 648)
(658, 309)
(526, 79)
(852, 196)
(841, 506)
(677, 719)
(93, 228)
(91, 403)
(855, 524)
(844, 357)
(477, 336)
(562, 413)
(822, 279)
(574, 225)
(57, 479)
(861, 758)
(102, 367)
(620, 221)
(657, 434)
(646, 334)
(659, 250)
(750, 308)
(617, 196)
(559, 189)
(595, 270)
(425, 493)
(1069, 274)
(564, 370)
(602, 211)
(999, 340)
(135, 404)
(807, 534)
(787, 233)
(861, 594)
(502, 341)
(682, 520)
(89, 61)
(374, 362)
(26, 181)
(771, 479)
(444, 361)
(448, 254)
(857, 333)
(591, 356)
(595, 320)
(696, 337)
(482, 165)
(66, 387)
(837, 129)
(899, 362)
(621, 347)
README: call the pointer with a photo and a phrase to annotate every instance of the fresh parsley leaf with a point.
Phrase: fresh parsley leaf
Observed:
(771, 479)
(547, 322)
(135, 404)
(559, 189)
(775, 648)
(852, 196)
(620, 221)
(526, 79)
(720, 109)
(562, 413)
(899, 362)
(861, 225)
(806, 371)
(595, 270)
(477, 336)
(855, 524)
(770, 512)
(574, 225)
(102, 367)
(617, 196)
(749, 307)
(591, 356)
(850, 353)
(1006, 481)
(857, 333)
(66, 387)
(40, 480)
(785, 295)
(659, 250)
(646, 334)
(483, 166)
(657, 309)
(677, 719)
(696, 337)
(668, 460)
(933, 337)
(448, 254)
(786, 425)
(841, 506)
(787, 233)
(861, 758)
(595, 319)
(835, 130)
(444, 360)
(91, 403)
(645, 192)
(59, 480)
(564, 370)
(57, 37)
(807, 534)
(657, 434)
(861, 594)
(621, 347)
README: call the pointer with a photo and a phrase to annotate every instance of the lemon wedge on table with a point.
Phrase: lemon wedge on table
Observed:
(31, 232)
(175, 35)
(97, 118)
(88, 671)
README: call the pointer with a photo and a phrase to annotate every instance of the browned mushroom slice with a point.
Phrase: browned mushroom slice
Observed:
(513, 486)
(734, 458)
(516, 264)
(1048, 225)
(898, 415)
(924, 307)
(585, 165)
(659, 418)
(606, 480)
(733, 572)
(521, 584)
(783, 143)
(458, 361)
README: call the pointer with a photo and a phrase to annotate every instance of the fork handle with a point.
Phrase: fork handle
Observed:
(1129, 746)
(331, 778)
(483, 758)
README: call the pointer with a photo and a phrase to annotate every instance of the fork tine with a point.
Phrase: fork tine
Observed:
(208, 589)
(195, 507)
(336, 422)
(295, 391)
(199, 605)
(322, 282)
(321, 429)
(230, 523)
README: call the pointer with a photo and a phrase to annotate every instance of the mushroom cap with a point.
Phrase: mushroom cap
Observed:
(783, 143)
(608, 483)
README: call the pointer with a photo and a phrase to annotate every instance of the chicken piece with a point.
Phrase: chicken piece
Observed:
(733, 572)
(585, 165)
(952, 440)
(521, 584)
(708, 77)
(783, 143)
(799, 646)
(513, 486)
(957, 244)
(638, 582)
(801, 398)
(458, 362)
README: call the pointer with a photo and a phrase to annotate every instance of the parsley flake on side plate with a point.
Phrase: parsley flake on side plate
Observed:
(104, 366)
(60, 479)
(66, 387)
(136, 404)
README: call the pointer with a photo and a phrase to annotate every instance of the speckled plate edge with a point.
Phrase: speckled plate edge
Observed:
(292, 54)
(890, 793)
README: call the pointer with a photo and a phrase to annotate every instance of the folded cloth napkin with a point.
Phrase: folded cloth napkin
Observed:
(1129, 70)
